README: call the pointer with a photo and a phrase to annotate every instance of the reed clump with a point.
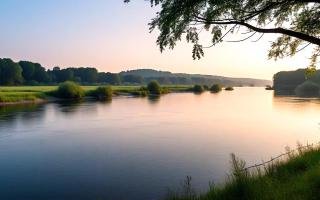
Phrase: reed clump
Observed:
(293, 175)
(102, 91)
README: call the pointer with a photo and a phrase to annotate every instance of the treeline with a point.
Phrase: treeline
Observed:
(204, 79)
(192, 81)
(29, 73)
(290, 80)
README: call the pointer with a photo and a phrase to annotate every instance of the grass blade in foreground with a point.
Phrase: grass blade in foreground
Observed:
(296, 175)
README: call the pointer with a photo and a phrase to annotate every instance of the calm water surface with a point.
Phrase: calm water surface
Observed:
(134, 148)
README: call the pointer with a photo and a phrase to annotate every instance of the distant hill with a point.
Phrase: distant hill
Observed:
(151, 73)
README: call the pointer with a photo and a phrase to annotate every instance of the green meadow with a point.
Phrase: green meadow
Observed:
(23, 93)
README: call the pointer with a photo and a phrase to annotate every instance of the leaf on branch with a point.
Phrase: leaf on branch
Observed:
(197, 51)
(311, 69)
(217, 33)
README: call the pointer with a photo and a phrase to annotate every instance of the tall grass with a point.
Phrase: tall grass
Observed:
(296, 175)
(8, 97)
(101, 91)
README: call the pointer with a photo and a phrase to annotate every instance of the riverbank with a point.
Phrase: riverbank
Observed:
(28, 94)
(294, 175)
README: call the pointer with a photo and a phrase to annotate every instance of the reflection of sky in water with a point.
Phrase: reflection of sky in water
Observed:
(136, 147)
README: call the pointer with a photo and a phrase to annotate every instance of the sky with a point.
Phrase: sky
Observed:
(113, 37)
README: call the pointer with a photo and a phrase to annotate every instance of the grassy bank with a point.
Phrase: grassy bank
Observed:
(293, 176)
(22, 93)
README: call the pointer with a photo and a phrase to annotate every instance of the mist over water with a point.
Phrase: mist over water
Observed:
(134, 148)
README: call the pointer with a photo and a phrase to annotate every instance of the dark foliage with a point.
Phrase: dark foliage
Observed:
(69, 89)
(154, 87)
(198, 88)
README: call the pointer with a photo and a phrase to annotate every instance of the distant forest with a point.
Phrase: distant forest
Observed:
(290, 80)
(29, 73)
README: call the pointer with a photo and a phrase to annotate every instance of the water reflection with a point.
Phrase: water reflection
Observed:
(71, 106)
(105, 100)
(124, 148)
(16, 107)
(154, 99)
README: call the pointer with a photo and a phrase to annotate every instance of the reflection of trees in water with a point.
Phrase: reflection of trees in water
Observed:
(283, 93)
(154, 99)
(70, 106)
(17, 107)
(296, 93)
(88, 106)
(25, 113)
(295, 97)
(105, 100)
(308, 93)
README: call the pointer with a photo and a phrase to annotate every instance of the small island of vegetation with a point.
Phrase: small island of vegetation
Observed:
(215, 88)
(198, 88)
(230, 88)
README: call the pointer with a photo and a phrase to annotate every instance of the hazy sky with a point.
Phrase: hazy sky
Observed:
(113, 37)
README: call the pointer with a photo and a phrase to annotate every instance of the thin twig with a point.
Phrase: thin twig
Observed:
(220, 38)
(244, 39)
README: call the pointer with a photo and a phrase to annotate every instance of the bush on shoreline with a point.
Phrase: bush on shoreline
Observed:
(102, 91)
(229, 88)
(68, 90)
(215, 88)
(198, 88)
(154, 87)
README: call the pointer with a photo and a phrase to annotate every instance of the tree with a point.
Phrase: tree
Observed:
(154, 87)
(198, 88)
(10, 72)
(65, 75)
(296, 20)
(136, 79)
(28, 70)
(77, 79)
(40, 74)
(164, 80)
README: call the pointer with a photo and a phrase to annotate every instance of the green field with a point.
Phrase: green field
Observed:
(21, 93)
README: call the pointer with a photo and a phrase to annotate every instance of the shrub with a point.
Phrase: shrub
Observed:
(229, 88)
(206, 87)
(140, 93)
(103, 91)
(69, 89)
(143, 88)
(3, 98)
(216, 88)
(165, 90)
(154, 87)
(198, 88)
(308, 86)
